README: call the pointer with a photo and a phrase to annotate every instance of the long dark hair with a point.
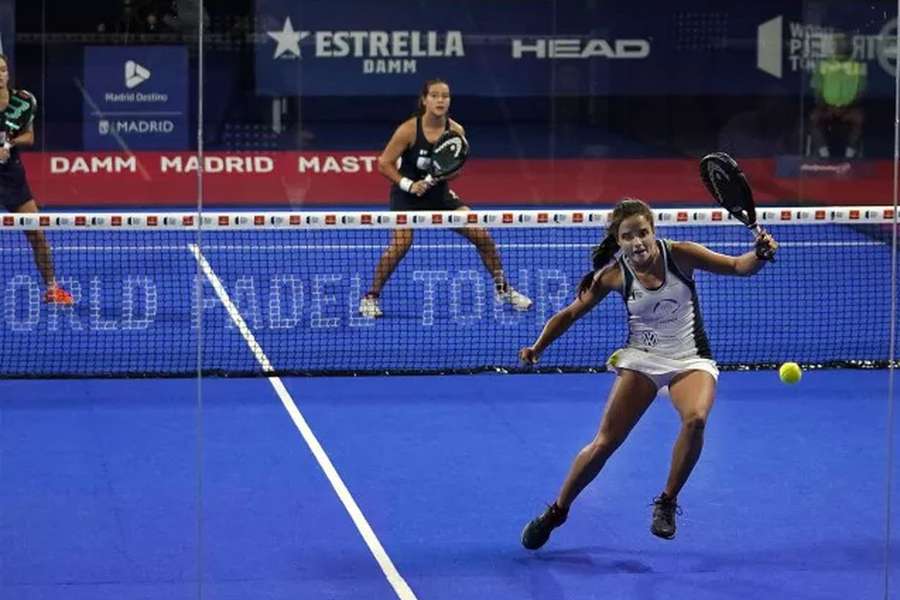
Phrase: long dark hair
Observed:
(420, 102)
(604, 252)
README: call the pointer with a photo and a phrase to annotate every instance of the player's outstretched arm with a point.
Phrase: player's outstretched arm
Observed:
(691, 255)
(605, 281)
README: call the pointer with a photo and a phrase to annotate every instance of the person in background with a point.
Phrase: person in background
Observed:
(838, 82)
(17, 107)
(411, 145)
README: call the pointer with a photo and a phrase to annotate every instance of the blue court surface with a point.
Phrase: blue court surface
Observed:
(147, 489)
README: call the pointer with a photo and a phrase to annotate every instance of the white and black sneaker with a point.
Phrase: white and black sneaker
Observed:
(369, 307)
(514, 298)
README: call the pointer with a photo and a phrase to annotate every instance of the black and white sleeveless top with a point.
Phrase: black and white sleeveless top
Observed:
(15, 120)
(666, 320)
(415, 162)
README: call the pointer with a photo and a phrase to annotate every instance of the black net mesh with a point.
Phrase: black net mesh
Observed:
(283, 293)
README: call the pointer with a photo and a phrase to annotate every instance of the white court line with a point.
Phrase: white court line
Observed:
(462, 246)
(402, 589)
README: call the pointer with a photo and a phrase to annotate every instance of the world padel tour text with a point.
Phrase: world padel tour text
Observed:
(277, 302)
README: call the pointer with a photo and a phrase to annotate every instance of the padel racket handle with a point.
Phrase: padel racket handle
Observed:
(764, 255)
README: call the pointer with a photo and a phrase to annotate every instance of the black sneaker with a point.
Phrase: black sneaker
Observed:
(537, 532)
(664, 511)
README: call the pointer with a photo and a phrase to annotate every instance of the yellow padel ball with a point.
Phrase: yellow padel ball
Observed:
(790, 372)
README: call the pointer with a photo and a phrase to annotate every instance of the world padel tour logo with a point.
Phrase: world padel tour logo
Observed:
(802, 46)
(376, 51)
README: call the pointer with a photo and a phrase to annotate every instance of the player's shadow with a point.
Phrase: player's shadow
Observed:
(550, 572)
(591, 559)
(836, 555)
(544, 566)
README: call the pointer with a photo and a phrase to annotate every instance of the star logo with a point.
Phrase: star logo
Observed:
(288, 40)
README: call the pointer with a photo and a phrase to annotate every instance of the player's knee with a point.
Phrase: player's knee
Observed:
(695, 422)
(605, 444)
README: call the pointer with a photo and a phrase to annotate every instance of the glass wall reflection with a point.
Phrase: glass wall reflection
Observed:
(136, 460)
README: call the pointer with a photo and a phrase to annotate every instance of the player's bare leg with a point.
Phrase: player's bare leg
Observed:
(693, 394)
(43, 259)
(401, 240)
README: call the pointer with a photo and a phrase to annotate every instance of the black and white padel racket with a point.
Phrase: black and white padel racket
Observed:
(448, 156)
(729, 187)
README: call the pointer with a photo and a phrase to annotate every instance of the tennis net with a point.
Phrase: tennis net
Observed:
(174, 294)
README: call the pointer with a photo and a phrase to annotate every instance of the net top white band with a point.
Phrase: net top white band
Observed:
(255, 220)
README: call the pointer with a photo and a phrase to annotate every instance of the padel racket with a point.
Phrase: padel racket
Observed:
(448, 156)
(729, 187)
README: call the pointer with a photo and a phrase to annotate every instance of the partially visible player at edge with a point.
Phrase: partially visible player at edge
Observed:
(412, 145)
(667, 345)
(17, 108)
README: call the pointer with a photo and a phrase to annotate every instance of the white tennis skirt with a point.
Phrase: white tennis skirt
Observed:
(659, 369)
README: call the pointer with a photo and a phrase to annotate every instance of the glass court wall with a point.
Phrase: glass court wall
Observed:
(172, 479)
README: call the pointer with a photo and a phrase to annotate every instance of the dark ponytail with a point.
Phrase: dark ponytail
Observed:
(601, 254)
(605, 251)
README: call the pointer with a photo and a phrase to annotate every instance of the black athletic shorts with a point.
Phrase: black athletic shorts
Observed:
(401, 200)
(14, 189)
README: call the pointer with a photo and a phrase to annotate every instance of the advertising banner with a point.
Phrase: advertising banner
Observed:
(155, 179)
(135, 98)
(343, 47)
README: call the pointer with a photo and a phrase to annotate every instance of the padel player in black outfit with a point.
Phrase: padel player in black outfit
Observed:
(412, 144)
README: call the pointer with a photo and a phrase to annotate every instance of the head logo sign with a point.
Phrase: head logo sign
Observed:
(556, 48)
(808, 44)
